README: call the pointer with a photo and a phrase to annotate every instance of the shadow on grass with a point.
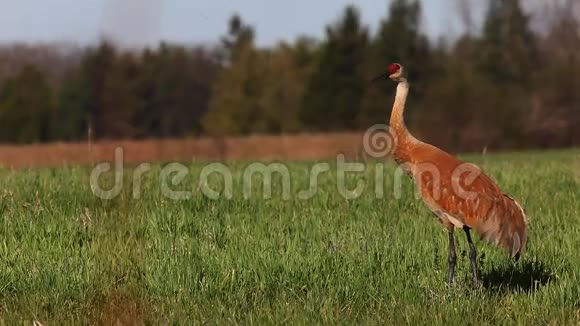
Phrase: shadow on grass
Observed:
(525, 276)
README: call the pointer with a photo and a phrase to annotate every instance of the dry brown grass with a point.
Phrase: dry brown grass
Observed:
(118, 309)
(284, 147)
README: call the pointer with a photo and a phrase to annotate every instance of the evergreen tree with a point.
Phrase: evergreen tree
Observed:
(80, 109)
(176, 85)
(120, 99)
(69, 120)
(333, 97)
(399, 39)
(509, 59)
(239, 36)
(26, 104)
(509, 46)
(288, 69)
(235, 107)
(95, 67)
(259, 91)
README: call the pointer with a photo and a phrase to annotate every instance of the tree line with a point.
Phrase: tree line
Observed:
(505, 85)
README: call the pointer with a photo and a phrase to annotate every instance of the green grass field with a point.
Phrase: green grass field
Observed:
(68, 257)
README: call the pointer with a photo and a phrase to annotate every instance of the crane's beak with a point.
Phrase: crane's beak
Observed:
(385, 75)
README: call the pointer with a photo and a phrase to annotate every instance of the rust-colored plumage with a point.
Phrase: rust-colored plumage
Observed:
(458, 193)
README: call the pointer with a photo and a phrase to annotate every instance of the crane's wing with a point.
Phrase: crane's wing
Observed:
(471, 198)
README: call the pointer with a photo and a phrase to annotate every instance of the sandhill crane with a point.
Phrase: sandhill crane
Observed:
(458, 193)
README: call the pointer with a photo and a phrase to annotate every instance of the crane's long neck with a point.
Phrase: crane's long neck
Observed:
(397, 120)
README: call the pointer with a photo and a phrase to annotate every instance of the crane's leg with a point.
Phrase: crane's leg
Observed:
(452, 257)
(472, 256)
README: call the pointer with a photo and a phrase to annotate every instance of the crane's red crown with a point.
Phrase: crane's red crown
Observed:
(393, 68)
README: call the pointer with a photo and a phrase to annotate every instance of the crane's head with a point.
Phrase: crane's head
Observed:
(394, 71)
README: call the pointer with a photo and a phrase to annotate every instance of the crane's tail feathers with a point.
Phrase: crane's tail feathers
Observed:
(516, 245)
(520, 236)
(506, 226)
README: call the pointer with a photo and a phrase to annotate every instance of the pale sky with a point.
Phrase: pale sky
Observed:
(139, 22)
